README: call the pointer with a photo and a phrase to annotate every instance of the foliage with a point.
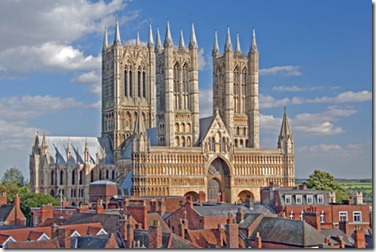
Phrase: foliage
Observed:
(321, 180)
(13, 176)
(35, 200)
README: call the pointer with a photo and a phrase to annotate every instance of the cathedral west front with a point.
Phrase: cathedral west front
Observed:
(153, 141)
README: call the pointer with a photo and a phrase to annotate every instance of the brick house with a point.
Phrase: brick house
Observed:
(11, 214)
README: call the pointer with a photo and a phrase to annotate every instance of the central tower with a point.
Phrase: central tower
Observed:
(177, 91)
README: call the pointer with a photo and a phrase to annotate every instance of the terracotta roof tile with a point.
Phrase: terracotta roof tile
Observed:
(45, 244)
(34, 236)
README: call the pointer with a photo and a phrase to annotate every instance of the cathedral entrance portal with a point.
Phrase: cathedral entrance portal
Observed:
(218, 178)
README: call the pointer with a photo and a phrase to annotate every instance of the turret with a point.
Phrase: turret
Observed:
(228, 45)
(168, 39)
(228, 113)
(36, 146)
(252, 104)
(158, 43)
(181, 41)
(68, 151)
(86, 152)
(117, 40)
(105, 39)
(138, 37)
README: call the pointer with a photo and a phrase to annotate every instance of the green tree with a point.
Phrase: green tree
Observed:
(13, 176)
(35, 200)
(321, 180)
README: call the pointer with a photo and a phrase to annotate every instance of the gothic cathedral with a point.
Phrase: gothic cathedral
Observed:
(153, 142)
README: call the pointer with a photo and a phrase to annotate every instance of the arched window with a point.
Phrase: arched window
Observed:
(92, 176)
(139, 83)
(61, 177)
(73, 177)
(177, 141)
(177, 127)
(52, 193)
(236, 90)
(144, 84)
(176, 78)
(81, 176)
(107, 174)
(52, 177)
(113, 175)
(188, 141)
(100, 174)
(130, 84)
(126, 82)
(183, 142)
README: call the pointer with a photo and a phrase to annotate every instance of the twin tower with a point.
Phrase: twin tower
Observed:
(130, 70)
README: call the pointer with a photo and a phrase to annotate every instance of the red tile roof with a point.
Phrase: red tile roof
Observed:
(45, 244)
(34, 236)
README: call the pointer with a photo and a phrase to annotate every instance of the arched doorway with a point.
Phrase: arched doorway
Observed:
(243, 195)
(213, 190)
(218, 177)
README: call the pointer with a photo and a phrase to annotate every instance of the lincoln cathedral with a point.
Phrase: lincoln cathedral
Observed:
(153, 141)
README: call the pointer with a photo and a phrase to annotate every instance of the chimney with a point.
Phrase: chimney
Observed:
(232, 232)
(341, 241)
(54, 229)
(155, 235)
(344, 227)
(313, 219)
(189, 201)
(130, 234)
(201, 197)
(162, 207)
(17, 209)
(83, 209)
(63, 237)
(221, 237)
(181, 228)
(3, 199)
(258, 240)
(249, 202)
(99, 209)
(239, 215)
(153, 205)
(359, 238)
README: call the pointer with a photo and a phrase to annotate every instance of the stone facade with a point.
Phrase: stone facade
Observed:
(154, 143)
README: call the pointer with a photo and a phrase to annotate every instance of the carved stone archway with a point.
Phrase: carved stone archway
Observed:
(218, 181)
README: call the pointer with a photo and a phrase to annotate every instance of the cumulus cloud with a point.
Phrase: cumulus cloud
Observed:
(93, 79)
(287, 88)
(282, 70)
(16, 111)
(322, 148)
(202, 59)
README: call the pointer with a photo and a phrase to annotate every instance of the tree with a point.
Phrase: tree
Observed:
(321, 180)
(13, 176)
(35, 200)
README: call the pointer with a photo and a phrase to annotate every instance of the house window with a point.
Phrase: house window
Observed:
(357, 216)
(299, 199)
(320, 199)
(309, 199)
(288, 199)
(322, 217)
(343, 216)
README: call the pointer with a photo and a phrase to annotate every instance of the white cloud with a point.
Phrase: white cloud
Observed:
(97, 105)
(287, 88)
(206, 102)
(322, 148)
(202, 61)
(282, 70)
(267, 101)
(93, 79)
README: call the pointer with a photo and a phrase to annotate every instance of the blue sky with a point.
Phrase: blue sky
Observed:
(315, 58)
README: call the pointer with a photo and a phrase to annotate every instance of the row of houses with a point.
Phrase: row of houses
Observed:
(279, 220)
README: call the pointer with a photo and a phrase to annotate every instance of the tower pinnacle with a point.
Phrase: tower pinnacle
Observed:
(105, 38)
(181, 42)
(237, 49)
(193, 41)
(168, 39)
(138, 37)
(150, 39)
(228, 45)
(215, 47)
(158, 43)
(285, 128)
(253, 44)
(117, 40)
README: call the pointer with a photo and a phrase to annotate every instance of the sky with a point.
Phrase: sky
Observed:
(315, 59)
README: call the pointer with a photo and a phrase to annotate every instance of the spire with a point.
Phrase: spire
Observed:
(215, 47)
(117, 34)
(181, 42)
(150, 39)
(158, 43)
(193, 41)
(285, 128)
(228, 45)
(68, 151)
(44, 143)
(105, 39)
(253, 44)
(168, 39)
(86, 151)
(138, 37)
(237, 49)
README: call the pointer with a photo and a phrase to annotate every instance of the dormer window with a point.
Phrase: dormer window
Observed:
(320, 199)
(288, 199)
(298, 199)
(309, 199)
